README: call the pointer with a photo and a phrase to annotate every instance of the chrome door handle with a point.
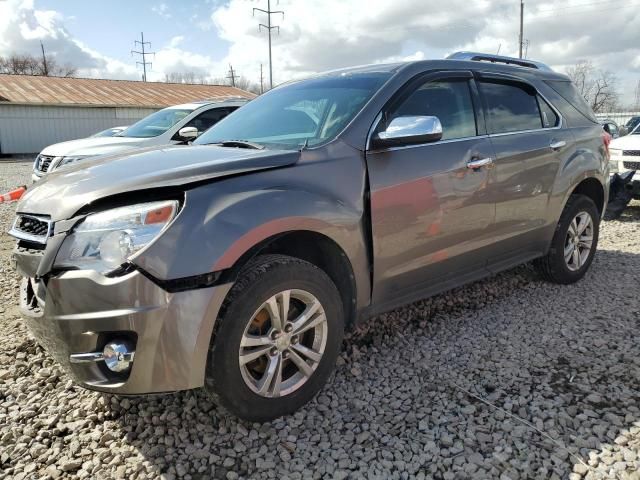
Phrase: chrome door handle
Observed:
(482, 162)
(558, 145)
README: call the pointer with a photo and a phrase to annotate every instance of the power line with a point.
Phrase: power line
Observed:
(269, 27)
(144, 54)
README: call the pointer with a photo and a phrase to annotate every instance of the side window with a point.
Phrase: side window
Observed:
(510, 107)
(208, 119)
(549, 116)
(449, 100)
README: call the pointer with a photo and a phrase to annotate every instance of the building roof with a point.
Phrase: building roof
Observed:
(38, 90)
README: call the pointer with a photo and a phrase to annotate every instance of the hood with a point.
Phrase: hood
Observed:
(93, 146)
(628, 142)
(62, 193)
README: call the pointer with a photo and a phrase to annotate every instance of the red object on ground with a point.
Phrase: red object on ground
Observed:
(13, 195)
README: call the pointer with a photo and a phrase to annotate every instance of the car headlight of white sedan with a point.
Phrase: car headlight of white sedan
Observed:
(106, 240)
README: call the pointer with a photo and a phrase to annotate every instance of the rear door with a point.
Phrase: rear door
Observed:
(528, 140)
(431, 217)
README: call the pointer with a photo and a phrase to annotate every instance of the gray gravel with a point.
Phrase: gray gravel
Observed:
(506, 378)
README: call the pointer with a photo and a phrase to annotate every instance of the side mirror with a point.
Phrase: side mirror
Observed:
(410, 130)
(188, 133)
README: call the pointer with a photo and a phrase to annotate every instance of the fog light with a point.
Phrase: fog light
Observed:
(117, 356)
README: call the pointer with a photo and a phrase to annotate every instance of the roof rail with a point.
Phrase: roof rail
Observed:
(487, 57)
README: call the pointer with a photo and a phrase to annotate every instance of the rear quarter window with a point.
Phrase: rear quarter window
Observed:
(571, 94)
(510, 107)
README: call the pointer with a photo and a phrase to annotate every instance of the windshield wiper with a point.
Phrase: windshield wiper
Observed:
(240, 144)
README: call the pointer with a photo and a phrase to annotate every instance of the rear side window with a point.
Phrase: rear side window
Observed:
(549, 116)
(449, 100)
(569, 92)
(510, 107)
(209, 118)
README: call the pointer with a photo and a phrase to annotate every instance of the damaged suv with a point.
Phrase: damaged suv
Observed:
(235, 264)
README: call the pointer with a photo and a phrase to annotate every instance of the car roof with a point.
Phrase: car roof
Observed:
(458, 61)
(225, 102)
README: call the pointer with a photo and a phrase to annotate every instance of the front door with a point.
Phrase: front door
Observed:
(431, 216)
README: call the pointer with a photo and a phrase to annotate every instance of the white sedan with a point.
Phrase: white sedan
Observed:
(625, 153)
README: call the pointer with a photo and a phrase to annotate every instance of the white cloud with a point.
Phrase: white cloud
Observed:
(317, 35)
(162, 10)
(22, 28)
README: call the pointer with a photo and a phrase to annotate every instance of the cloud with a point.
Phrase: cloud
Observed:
(162, 10)
(317, 35)
(22, 28)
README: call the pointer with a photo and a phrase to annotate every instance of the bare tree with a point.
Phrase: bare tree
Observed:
(186, 77)
(598, 87)
(35, 65)
(247, 85)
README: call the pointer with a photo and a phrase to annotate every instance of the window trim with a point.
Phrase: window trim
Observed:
(405, 91)
(504, 78)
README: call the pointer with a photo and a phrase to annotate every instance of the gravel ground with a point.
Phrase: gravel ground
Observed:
(506, 378)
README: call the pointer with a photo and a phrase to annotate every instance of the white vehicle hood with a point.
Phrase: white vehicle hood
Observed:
(94, 146)
(628, 142)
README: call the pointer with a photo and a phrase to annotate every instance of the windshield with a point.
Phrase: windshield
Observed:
(156, 123)
(311, 111)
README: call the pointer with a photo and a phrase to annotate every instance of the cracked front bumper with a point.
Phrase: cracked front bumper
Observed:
(80, 311)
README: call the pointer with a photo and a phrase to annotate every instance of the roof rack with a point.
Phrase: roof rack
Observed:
(487, 57)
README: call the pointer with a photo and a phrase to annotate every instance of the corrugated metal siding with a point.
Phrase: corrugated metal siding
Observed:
(28, 129)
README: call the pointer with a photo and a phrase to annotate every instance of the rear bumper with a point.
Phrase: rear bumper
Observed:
(80, 311)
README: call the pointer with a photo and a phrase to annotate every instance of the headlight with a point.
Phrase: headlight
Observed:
(106, 240)
(67, 160)
(615, 152)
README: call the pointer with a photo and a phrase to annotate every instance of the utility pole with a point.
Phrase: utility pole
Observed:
(232, 76)
(521, 38)
(262, 81)
(144, 54)
(45, 68)
(269, 27)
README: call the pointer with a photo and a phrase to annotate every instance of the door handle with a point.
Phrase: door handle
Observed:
(479, 163)
(558, 145)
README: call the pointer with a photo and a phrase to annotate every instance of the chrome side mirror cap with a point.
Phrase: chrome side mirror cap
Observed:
(410, 130)
(188, 133)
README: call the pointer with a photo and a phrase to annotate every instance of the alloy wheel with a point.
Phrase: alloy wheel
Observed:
(283, 343)
(579, 241)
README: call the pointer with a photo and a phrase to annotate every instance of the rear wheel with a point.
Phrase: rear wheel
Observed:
(279, 335)
(574, 242)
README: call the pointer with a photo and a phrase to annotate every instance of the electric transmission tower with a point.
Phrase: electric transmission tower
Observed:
(144, 54)
(269, 27)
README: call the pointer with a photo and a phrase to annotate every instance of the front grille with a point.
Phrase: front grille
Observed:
(44, 162)
(632, 165)
(631, 153)
(31, 228)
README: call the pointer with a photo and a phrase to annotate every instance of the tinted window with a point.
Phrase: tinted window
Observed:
(569, 92)
(308, 112)
(511, 108)
(549, 117)
(450, 101)
(207, 119)
(156, 123)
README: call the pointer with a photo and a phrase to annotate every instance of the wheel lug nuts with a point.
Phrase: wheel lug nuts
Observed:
(273, 352)
(275, 334)
(288, 328)
(285, 354)
(294, 339)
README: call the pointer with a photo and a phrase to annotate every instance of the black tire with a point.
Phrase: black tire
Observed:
(262, 278)
(553, 266)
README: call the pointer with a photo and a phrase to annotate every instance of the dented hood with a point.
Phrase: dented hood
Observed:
(62, 193)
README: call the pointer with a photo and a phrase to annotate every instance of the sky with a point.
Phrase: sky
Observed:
(204, 37)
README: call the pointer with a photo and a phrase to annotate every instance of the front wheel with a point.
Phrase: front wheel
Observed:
(279, 335)
(574, 242)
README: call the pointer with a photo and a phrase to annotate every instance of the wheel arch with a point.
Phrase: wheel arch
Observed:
(315, 248)
(591, 187)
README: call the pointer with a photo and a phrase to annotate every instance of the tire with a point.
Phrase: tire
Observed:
(248, 391)
(554, 267)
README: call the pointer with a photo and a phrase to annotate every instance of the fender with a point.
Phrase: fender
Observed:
(228, 218)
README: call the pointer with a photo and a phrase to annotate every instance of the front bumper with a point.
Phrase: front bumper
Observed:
(80, 311)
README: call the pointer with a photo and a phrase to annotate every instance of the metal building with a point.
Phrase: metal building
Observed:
(38, 111)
